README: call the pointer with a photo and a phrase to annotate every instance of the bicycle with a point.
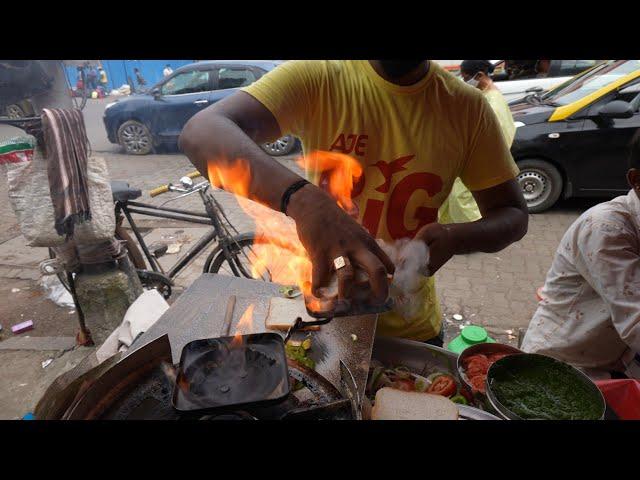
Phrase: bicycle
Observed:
(233, 250)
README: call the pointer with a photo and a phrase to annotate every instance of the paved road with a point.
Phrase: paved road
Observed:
(496, 290)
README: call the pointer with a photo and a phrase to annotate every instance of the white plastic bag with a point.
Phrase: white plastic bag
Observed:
(31, 201)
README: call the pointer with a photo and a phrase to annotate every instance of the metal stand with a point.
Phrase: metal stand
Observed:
(83, 337)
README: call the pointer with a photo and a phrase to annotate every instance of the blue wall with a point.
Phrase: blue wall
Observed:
(119, 70)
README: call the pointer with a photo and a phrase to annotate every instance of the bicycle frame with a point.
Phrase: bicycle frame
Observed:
(127, 208)
(210, 218)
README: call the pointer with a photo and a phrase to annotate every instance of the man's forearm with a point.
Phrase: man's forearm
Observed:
(496, 230)
(215, 140)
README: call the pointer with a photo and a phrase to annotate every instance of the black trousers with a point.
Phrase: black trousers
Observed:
(437, 341)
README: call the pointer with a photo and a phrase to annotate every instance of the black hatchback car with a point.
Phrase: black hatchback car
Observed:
(572, 141)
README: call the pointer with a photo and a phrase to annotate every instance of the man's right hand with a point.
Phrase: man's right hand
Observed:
(327, 232)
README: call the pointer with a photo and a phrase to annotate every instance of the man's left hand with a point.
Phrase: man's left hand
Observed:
(439, 240)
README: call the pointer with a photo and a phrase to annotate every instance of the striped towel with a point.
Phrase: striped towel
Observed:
(67, 147)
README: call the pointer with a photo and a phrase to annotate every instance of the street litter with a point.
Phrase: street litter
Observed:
(22, 327)
(46, 363)
(457, 316)
(174, 248)
(56, 292)
(15, 290)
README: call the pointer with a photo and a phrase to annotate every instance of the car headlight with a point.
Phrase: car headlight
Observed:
(519, 124)
(109, 105)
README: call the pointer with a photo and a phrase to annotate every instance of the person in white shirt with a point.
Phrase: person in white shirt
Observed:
(167, 70)
(589, 315)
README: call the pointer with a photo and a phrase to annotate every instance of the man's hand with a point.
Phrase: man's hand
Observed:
(327, 232)
(440, 242)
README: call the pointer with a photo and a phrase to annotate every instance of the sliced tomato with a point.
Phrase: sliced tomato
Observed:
(478, 383)
(404, 384)
(473, 358)
(444, 385)
(477, 367)
(494, 357)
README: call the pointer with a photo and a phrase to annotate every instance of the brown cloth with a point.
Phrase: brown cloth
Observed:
(67, 147)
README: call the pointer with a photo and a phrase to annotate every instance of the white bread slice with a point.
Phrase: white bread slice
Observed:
(393, 404)
(284, 311)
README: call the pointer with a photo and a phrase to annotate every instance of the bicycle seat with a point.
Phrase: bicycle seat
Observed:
(122, 192)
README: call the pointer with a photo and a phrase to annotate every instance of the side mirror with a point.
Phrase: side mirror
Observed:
(616, 109)
(156, 93)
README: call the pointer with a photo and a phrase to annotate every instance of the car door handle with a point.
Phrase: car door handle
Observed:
(200, 102)
(534, 89)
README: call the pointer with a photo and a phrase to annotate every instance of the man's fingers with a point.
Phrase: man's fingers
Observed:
(384, 258)
(320, 275)
(377, 273)
(345, 280)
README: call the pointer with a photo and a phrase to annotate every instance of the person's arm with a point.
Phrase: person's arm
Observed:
(231, 130)
(611, 265)
(504, 221)
(489, 174)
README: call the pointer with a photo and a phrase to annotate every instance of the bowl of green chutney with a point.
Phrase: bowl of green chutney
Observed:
(530, 386)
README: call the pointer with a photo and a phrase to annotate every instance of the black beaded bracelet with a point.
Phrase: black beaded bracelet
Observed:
(293, 188)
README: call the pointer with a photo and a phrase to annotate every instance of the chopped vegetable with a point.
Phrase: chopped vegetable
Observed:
(306, 344)
(299, 354)
(421, 385)
(404, 384)
(444, 385)
(459, 399)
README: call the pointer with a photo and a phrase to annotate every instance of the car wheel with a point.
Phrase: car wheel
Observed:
(15, 111)
(135, 138)
(541, 184)
(282, 146)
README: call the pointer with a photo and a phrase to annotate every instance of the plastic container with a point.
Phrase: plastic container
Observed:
(470, 335)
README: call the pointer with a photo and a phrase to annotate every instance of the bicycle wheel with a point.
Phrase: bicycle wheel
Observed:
(244, 252)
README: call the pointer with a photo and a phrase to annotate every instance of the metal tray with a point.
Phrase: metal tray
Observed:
(421, 357)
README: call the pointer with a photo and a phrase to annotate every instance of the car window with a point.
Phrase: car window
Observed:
(235, 78)
(187, 82)
(602, 75)
(629, 92)
(569, 68)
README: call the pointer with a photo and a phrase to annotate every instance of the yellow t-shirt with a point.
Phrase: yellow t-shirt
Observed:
(412, 142)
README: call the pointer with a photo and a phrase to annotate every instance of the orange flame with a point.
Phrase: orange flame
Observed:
(245, 324)
(277, 253)
(340, 171)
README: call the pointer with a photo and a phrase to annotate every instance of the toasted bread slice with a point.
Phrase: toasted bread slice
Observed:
(393, 404)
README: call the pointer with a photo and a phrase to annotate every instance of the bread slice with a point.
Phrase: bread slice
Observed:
(393, 404)
(284, 311)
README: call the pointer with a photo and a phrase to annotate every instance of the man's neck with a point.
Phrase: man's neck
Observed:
(414, 76)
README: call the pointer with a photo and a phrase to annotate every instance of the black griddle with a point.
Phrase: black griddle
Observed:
(231, 373)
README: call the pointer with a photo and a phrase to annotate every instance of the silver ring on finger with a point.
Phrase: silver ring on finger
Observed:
(340, 262)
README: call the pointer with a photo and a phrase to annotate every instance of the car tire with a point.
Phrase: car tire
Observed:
(15, 111)
(282, 146)
(541, 184)
(135, 138)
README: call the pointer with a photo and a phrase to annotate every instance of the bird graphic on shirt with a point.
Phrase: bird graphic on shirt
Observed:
(388, 169)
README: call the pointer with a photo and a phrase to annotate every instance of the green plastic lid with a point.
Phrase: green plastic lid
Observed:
(474, 334)
(470, 335)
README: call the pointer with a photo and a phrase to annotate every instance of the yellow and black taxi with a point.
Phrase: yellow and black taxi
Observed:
(572, 140)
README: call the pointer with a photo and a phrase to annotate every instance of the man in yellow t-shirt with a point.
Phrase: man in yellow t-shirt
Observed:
(412, 126)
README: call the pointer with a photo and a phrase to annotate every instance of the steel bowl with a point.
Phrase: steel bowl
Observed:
(525, 359)
(485, 349)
